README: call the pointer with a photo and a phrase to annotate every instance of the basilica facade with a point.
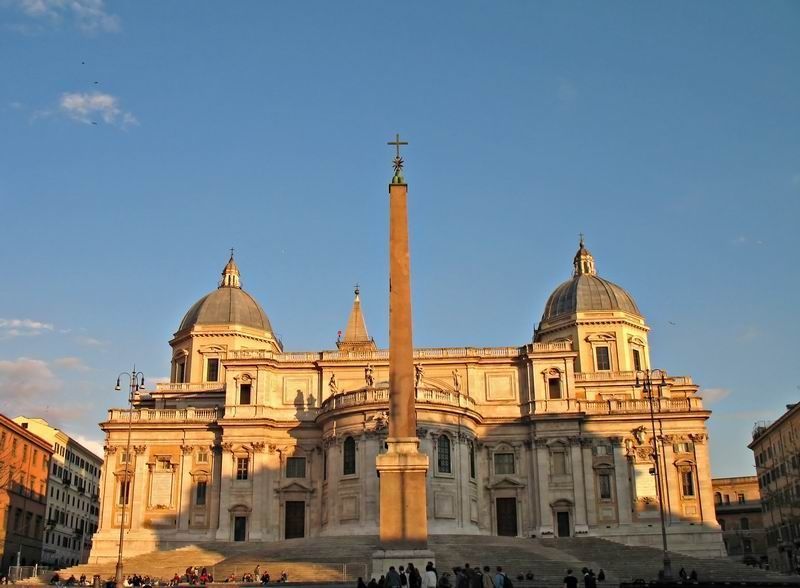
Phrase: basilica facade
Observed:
(551, 438)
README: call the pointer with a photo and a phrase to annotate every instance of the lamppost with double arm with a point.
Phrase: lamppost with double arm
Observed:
(135, 383)
(644, 380)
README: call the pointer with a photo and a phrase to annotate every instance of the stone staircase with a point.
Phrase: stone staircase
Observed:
(342, 559)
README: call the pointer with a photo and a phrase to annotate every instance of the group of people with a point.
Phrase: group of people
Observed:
(404, 577)
(71, 581)
(590, 580)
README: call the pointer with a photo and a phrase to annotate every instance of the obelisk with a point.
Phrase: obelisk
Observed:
(402, 469)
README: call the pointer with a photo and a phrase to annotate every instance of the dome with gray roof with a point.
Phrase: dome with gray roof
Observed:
(586, 292)
(227, 305)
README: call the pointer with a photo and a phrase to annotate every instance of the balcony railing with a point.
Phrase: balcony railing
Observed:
(165, 415)
(186, 387)
(383, 354)
(373, 397)
(632, 406)
(626, 375)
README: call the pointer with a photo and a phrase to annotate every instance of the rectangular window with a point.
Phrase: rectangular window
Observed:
(202, 457)
(604, 481)
(180, 371)
(200, 495)
(503, 463)
(603, 359)
(471, 460)
(124, 492)
(637, 360)
(124, 457)
(242, 468)
(554, 388)
(741, 498)
(559, 463)
(601, 450)
(324, 464)
(687, 483)
(212, 369)
(296, 467)
(163, 464)
(682, 447)
(244, 394)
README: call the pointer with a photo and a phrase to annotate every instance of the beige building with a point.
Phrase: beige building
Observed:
(250, 442)
(737, 502)
(776, 448)
(73, 496)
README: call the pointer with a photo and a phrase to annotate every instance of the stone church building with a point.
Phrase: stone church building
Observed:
(551, 438)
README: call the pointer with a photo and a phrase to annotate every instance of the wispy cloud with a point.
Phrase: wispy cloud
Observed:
(71, 363)
(29, 387)
(90, 16)
(745, 240)
(748, 334)
(94, 107)
(93, 445)
(712, 395)
(90, 341)
(10, 328)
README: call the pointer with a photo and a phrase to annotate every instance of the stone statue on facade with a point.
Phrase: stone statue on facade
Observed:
(456, 380)
(368, 375)
(639, 434)
(332, 386)
(418, 371)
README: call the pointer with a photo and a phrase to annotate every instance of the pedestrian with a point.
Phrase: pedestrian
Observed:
(499, 578)
(486, 578)
(373, 583)
(460, 580)
(392, 578)
(429, 577)
(360, 583)
(403, 576)
(693, 576)
(570, 581)
(682, 574)
(601, 576)
(444, 581)
(414, 577)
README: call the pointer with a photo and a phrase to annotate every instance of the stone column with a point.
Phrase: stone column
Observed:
(403, 516)
(226, 481)
(579, 485)
(108, 501)
(257, 522)
(140, 494)
(185, 488)
(545, 510)
(622, 483)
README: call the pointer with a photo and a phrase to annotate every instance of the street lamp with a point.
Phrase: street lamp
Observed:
(644, 380)
(135, 382)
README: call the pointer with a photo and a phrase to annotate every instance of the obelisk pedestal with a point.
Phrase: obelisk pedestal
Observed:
(402, 469)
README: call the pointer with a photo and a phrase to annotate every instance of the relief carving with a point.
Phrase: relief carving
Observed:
(140, 449)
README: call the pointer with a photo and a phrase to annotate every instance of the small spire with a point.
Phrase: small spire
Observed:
(355, 336)
(230, 275)
(583, 263)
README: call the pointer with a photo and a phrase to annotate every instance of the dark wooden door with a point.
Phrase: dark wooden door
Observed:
(295, 519)
(507, 517)
(239, 528)
(562, 518)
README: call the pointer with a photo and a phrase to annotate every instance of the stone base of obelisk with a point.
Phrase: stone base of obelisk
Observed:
(403, 507)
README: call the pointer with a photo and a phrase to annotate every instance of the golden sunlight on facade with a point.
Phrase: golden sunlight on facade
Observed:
(551, 438)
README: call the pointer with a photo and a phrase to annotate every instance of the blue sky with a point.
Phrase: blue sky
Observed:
(668, 133)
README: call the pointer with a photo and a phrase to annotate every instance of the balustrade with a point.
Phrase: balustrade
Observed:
(381, 396)
(190, 414)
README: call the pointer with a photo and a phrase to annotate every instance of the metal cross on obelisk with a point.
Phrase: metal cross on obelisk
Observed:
(402, 468)
(397, 161)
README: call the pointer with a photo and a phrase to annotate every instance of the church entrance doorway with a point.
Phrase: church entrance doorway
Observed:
(562, 519)
(239, 528)
(507, 517)
(295, 519)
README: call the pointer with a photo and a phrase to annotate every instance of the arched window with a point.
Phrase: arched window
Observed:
(717, 498)
(443, 455)
(349, 457)
(744, 524)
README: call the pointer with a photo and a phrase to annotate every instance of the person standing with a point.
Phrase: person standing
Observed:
(429, 577)
(499, 578)
(486, 579)
(393, 578)
(570, 581)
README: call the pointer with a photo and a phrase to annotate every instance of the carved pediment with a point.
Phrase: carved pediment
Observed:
(505, 482)
(297, 485)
